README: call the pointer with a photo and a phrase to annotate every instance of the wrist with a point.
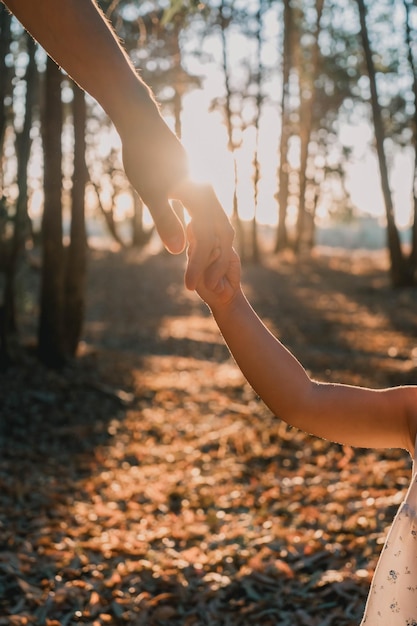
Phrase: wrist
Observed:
(131, 105)
(226, 309)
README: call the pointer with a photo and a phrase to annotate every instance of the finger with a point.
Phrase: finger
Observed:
(168, 226)
(220, 286)
(189, 231)
(198, 259)
(215, 254)
(191, 240)
(211, 229)
(220, 265)
(216, 271)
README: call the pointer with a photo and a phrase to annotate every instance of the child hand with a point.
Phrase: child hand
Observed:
(228, 286)
(211, 228)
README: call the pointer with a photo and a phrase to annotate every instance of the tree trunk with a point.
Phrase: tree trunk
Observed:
(5, 19)
(108, 215)
(413, 252)
(306, 125)
(5, 39)
(21, 227)
(178, 93)
(236, 221)
(224, 23)
(398, 267)
(51, 346)
(256, 163)
(140, 236)
(283, 175)
(76, 267)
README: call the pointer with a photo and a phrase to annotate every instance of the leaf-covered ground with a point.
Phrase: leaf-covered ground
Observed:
(146, 484)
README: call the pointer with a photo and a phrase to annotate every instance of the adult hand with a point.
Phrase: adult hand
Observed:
(212, 231)
(156, 165)
(155, 161)
(226, 290)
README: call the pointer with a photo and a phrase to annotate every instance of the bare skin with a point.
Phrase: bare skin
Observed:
(78, 37)
(357, 416)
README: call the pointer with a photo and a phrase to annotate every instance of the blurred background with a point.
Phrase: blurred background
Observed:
(301, 113)
(142, 482)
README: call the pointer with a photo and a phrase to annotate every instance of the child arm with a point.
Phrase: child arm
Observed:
(341, 413)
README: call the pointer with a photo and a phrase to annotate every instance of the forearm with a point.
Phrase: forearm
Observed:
(341, 413)
(75, 35)
(273, 372)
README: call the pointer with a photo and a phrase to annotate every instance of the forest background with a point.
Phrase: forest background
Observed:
(141, 480)
(290, 90)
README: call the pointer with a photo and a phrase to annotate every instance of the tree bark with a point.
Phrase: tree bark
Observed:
(108, 217)
(177, 101)
(5, 39)
(224, 24)
(306, 125)
(76, 266)
(411, 62)
(50, 334)
(5, 19)
(21, 223)
(283, 175)
(140, 236)
(399, 275)
(256, 255)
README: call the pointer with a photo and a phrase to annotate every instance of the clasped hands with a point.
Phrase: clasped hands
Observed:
(156, 165)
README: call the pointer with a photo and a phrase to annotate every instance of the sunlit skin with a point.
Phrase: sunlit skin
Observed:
(357, 416)
(77, 36)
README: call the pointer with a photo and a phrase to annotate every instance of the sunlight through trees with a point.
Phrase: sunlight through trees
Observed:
(267, 97)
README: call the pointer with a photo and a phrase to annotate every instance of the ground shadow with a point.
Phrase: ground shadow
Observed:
(131, 494)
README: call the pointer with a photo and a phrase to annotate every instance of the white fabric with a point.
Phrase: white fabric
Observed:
(392, 599)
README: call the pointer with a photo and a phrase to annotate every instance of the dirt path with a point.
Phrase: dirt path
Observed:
(146, 484)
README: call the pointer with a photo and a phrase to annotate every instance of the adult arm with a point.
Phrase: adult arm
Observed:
(80, 40)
